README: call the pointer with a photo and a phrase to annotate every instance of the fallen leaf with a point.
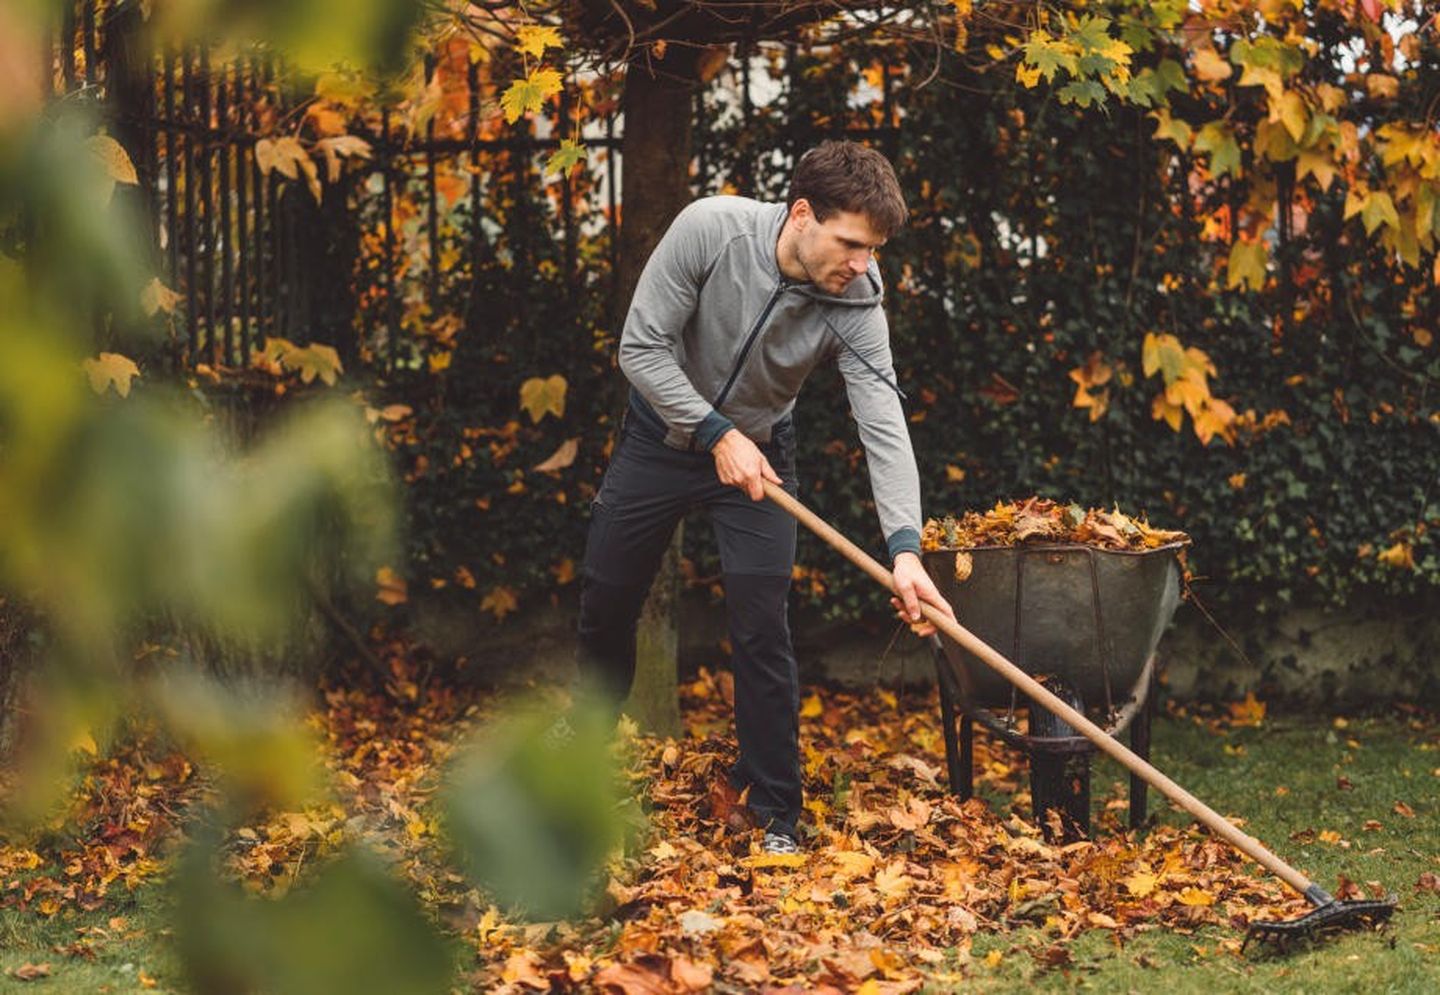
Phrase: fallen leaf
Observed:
(30, 972)
(560, 458)
(1404, 810)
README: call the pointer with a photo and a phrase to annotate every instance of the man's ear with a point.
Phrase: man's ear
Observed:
(801, 213)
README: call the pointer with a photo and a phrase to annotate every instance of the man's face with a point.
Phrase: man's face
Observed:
(835, 251)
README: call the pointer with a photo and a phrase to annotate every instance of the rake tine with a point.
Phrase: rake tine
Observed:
(1329, 914)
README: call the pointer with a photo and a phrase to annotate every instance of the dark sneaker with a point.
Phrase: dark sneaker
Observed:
(781, 843)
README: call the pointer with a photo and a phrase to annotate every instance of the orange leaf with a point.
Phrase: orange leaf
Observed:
(499, 602)
(1249, 712)
(392, 587)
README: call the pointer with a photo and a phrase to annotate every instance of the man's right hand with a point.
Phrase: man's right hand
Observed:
(739, 462)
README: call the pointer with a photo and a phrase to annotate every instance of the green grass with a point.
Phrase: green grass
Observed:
(120, 953)
(1385, 761)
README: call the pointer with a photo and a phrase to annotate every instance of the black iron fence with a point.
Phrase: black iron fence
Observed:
(255, 256)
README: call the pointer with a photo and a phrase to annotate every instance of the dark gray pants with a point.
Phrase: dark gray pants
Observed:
(647, 488)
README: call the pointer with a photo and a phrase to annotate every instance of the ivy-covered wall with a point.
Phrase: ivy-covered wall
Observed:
(1046, 243)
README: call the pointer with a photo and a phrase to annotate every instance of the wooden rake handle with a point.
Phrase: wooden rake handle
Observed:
(1037, 692)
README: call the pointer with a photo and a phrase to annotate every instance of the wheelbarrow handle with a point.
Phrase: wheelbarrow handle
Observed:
(1212, 819)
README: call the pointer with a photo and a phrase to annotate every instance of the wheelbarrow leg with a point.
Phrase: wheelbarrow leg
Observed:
(1140, 743)
(959, 756)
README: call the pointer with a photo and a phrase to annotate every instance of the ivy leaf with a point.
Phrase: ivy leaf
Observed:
(110, 369)
(569, 155)
(1247, 265)
(1218, 139)
(533, 39)
(541, 397)
(528, 95)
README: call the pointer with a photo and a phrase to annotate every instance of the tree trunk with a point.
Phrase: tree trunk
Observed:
(655, 186)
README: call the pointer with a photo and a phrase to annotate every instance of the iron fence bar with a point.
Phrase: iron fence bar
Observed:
(280, 290)
(567, 203)
(242, 213)
(67, 48)
(192, 280)
(432, 218)
(610, 196)
(172, 173)
(207, 204)
(387, 263)
(477, 231)
(227, 240)
(264, 293)
(87, 27)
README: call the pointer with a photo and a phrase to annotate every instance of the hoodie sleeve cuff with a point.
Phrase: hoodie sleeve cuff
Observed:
(710, 430)
(904, 540)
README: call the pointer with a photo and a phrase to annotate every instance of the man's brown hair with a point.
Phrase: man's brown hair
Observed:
(847, 176)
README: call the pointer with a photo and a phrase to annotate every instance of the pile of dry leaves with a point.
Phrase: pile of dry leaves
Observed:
(1041, 520)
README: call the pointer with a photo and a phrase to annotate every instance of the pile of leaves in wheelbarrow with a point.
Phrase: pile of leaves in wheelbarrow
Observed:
(1038, 519)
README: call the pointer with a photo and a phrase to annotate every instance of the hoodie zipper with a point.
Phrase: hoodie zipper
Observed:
(780, 288)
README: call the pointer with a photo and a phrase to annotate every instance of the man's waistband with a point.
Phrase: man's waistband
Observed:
(644, 419)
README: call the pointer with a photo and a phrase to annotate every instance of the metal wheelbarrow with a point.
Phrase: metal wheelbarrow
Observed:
(1083, 621)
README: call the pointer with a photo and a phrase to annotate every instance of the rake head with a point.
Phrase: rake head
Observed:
(1329, 915)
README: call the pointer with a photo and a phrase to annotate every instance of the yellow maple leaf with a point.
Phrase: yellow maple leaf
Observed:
(501, 601)
(110, 369)
(158, 297)
(812, 707)
(1211, 66)
(533, 39)
(1194, 896)
(528, 95)
(540, 397)
(892, 881)
(1141, 883)
(1246, 265)
(112, 155)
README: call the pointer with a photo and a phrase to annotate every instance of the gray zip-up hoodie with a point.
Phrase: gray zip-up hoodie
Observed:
(717, 338)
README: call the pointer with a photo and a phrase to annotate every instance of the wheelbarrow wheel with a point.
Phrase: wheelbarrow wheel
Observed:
(1059, 782)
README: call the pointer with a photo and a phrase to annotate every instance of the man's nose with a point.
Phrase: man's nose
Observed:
(860, 261)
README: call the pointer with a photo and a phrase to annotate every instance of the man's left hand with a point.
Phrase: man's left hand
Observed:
(913, 585)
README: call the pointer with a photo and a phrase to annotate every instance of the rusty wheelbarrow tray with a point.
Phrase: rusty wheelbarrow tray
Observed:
(1083, 620)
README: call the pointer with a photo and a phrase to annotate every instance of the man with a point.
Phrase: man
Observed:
(738, 303)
